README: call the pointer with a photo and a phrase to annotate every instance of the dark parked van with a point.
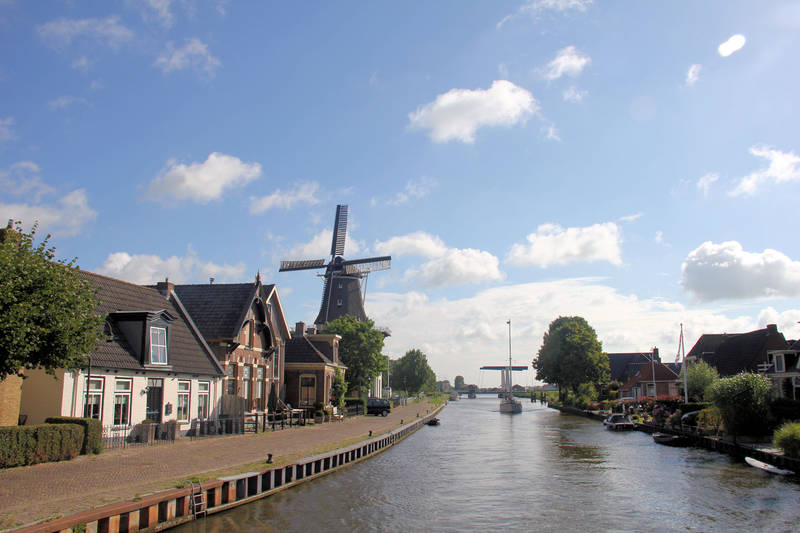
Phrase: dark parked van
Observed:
(378, 406)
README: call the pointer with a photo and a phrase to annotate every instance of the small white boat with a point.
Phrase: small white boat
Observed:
(766, 467)
(508, 404)
(618, 422)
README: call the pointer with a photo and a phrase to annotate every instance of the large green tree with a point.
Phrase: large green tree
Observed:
(700, 375)
(743, 402)
(571, 355)
(48, 314)
(360, 350)
(412, 373)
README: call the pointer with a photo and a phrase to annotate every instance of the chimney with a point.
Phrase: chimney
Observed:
(655, 354)
(210, 281)
(772, 329)
(165, 287)
(311, 330)
(299, 329)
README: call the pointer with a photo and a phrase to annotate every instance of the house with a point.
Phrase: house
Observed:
(151, 363)
(312, 360)
(733, 353)
(623, 366)
(783, 370)
(244, 325)
(653, 379)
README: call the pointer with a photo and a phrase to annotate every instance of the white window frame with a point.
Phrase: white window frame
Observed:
(158, 346)
(94, 393)
(203, 397)
(122, 391)
(184, 400)
(782, 366)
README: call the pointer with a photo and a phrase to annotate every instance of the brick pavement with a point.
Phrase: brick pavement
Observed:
(33, 493)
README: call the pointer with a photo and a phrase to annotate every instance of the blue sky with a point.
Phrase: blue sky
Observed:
(633, 163)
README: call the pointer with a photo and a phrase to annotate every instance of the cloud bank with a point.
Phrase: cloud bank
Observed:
(552, 245)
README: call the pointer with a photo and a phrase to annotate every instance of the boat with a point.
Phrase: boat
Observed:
(670, 440)
(433, 422)
(471, 392)
(618, 422)
(508, 404)
(766, 467)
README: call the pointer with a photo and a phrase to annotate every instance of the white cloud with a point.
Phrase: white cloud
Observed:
(63, 102)
(414, 189)
(733, 44)
(726, 271)
(66, 217)
(193, 54)
(81, 63)
(553, 245)
(574, 95)
(147, 269)
(659, 238)
(202, 182)
(7, 129)
(63, 32)
(782, 167)
(22, 179)
(535, 7)
(303, 193)
(693, 74)
(624, 323)
(458, 113)
(158, 10)
(446, 266)
(551, 132)
(568, 61)
(631, 218)
(705, 182)
(787, 321)
(319, 247)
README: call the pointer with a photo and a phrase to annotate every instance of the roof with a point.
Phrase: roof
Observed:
(624, 365)
(662, 373)
(303, 350)
(188, 353)
(731, 353)
(218, 310)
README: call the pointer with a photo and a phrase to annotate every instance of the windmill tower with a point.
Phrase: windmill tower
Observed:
(341, 293)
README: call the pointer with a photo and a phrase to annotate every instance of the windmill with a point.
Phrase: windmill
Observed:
(341, 294)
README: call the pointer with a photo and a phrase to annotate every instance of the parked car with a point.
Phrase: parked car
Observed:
(378, 406)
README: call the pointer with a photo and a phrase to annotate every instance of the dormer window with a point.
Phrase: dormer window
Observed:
(158, 346)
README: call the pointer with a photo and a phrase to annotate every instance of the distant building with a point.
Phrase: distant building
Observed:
(624, 366)
(653, 379)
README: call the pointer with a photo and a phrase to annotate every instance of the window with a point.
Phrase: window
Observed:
(184, 390)
(651, 389)
(122, 402)
(779, 363)
(158, 346)
(230, 383)
(275, 366)
(260, 382)
(202, 399)
(246, 382)
(339, 302)
(93, 407)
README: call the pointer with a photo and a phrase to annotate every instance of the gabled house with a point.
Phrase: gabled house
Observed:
(732, 353)
(312, 360)
(245, 327)
(623, 366)
(151, 364)
(783, 370)
(653, 379)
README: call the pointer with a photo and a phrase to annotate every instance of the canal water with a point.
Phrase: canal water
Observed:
(536, 471)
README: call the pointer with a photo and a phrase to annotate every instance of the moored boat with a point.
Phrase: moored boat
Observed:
(670, 440)
(766, 467)
(618, 422)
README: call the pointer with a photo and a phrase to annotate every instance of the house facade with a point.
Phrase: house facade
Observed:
(783, 370)
(150, 364)
(244, 325)
(733, 353)
(623, 366)
(312, 360)
(653, 380)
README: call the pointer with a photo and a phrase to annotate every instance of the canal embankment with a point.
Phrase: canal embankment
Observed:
(738, 447)
(146, 488)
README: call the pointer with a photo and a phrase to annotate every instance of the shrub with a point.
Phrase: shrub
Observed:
(93, 431)
(26, 445)
(710, 419)
(356, 401)
(787, 439)
(743, 402)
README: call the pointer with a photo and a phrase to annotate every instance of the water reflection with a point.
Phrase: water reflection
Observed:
(482, 471)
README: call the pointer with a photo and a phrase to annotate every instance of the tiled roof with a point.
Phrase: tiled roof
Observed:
(624, 365)
(662, 373)
(302, 350)
(736, 352)
(218, 309)
(185, 351)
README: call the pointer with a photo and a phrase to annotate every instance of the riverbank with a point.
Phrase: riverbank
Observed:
(52, 490)
(763, 451)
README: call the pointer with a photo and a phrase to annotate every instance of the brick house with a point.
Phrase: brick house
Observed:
(653, 379)
(732, 353)
(151, 364)
(244, 325)
(312, 360)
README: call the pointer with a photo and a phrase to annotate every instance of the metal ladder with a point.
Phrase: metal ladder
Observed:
(198, 500)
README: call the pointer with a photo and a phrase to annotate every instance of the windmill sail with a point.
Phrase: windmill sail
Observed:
(339, 231)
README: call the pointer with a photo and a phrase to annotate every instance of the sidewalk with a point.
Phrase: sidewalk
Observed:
(50, 490)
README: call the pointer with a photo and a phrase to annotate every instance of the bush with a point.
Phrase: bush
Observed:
(787, 439)
(743, 402)
(356, 401)
(691, 406)
(93, 431)
(710, 419)
(27, 445)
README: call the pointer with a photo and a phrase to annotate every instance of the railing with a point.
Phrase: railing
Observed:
(139, 435)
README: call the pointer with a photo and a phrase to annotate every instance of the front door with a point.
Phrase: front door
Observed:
(308, 390)
(155, 398)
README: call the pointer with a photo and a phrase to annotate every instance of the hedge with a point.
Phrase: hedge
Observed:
(27, 445)
(356, 401)
(93, 431)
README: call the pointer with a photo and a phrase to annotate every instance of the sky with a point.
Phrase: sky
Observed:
(634, 163)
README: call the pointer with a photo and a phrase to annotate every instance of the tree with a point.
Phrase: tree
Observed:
(48, 314)
(359, 350)
(338, 389)
(412, 373)
(743, 402)
(571, 355)
(459, 383)
(700, 375)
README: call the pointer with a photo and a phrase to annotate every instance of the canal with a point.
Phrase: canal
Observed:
(538, 470)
